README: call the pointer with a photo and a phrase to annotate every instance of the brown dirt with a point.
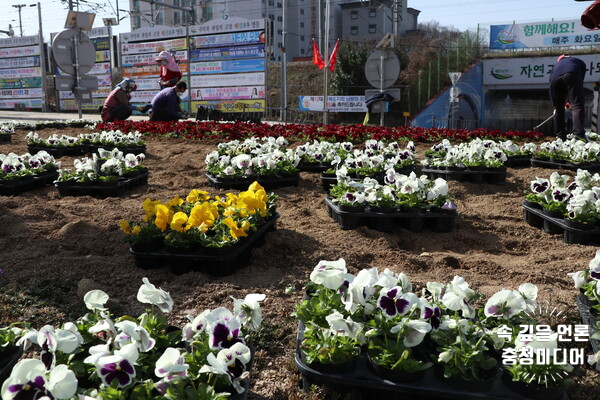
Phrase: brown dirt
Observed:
(49, 243)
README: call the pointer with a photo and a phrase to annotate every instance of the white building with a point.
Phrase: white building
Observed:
(350, 20)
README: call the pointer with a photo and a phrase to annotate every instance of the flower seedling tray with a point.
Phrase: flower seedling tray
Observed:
(386, 222)
(556, 226)
(429, 386)
(4, 138)
(559, 164)
(121, 186)
(265, 181)
(222, 264)
(93, 148)
(313, 167)
(58, 151)
(15, 188)
(8, 358)
(465, 175)
(518, 161)
(587, 318)
(328, 181)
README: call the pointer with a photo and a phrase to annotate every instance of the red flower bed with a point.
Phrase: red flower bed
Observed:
(338, 133)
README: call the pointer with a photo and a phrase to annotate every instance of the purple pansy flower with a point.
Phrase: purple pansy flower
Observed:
(393, 302)
(116, 367)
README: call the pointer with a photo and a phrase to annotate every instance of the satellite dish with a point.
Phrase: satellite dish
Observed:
(391, 68)
(64, 54)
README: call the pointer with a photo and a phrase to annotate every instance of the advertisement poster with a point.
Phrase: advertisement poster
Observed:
(153, 47)
(231, 105)
(13, 93)
(542, 34)
(20, 51)
(20, 73)
(230, 39)
(334, 103)
(20, 62)
(252, 78)
(246, 92)
(138, 60)
(15, 83)
(225, 53)
(218, 67)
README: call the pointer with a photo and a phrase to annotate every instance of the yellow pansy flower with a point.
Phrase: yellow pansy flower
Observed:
(245, 225)
(125, 227)
(150, 207)
(163, 216)
(136, 230)
(219, 202)
(204, 213)
(178, 221)
(197, 195)
(234, 230)
(255, 186)
(175, 201)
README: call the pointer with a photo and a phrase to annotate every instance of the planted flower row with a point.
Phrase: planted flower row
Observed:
(376, 314)
(200, 221)
(104, 357)
(569, 151)
(89, 141)
(19, 173)
(336, 133)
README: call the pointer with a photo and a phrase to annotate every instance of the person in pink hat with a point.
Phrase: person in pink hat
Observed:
(566, 84)
(169, 70)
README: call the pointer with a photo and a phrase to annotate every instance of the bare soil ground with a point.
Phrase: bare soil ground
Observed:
(50, 243)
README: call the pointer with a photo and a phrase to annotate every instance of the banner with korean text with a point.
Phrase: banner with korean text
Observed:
(21, 73)
(542, 34)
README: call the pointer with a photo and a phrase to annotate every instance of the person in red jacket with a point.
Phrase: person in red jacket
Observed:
(169, 70)
(116, 106)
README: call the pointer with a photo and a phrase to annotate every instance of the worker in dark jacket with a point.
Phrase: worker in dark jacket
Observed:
(165, 105)
(116, 106)
(566, 83)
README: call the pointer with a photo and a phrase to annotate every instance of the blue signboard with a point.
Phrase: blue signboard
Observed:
(218, 67)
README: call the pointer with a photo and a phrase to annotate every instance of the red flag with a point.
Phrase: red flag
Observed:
(333, 57)
(317, 58)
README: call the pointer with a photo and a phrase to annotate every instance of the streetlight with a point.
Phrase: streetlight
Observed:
(110, 22)
(10, 32)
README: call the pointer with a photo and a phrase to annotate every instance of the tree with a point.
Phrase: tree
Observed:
(349, 75)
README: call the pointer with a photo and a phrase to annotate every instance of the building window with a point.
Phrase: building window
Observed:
(176, 3)
(271, 3)
(372, 28)
(160, 19)
(301, 51)
(372, 12)
(279, 18)
(279, 45)
(302, 11)
(301, 24)
(354, 14)
(278, 5)
(272, 17)
(302, 38)
(136, 5)
(354, 30)
(136, 22)
(176, 18)
(279, 32)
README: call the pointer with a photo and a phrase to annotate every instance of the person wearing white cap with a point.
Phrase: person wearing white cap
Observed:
(566, 84)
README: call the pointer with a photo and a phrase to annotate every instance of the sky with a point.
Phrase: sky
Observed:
(461, 14)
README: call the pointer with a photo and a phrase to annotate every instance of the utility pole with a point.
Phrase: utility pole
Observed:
(19, 6)
(326, 59)
(283, 65)
(42, 55)
(70, 5)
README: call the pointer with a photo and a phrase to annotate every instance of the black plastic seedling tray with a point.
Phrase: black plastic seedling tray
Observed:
(312, 167)
(10, 188)
(590, 166)
(557, 226)
(223, 262)
(386, 222)
(122, 186)
(430, 386)
(587, 318)
(265, 181)
(59, 151)
(518, 161)
(492, 176)
(5, 138)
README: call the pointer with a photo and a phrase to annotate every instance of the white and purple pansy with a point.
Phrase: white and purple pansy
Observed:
(148, 293)
(330, 274)
(28, 381)
(395, 303)
(505, 304)
(224, 330)
(413, 331)
(540, 185)
(248, 310)
(456, 297)
(130, 332)
(432, 313)
(118, 367)
(171, 365)
(560, 195)
(195, 326)
(594, 266)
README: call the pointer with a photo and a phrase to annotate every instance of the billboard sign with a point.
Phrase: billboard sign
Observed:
(542, 34)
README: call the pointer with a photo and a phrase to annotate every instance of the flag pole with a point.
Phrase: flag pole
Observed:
(326, 59)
